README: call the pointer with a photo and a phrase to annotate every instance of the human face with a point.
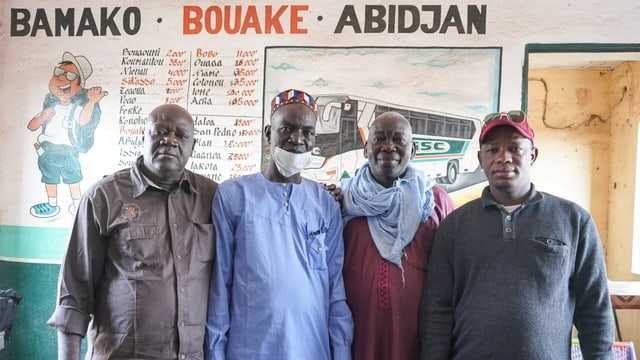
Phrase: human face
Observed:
(293, 128)
(65, 82)
(506, 158)
(168, 143)
(389, 148)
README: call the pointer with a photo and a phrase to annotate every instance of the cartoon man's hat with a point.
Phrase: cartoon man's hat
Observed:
(81, 62)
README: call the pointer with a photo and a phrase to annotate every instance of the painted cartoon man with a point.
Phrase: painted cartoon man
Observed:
(68, 120)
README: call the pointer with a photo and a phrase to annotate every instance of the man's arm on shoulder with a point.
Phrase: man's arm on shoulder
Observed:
(68, 346)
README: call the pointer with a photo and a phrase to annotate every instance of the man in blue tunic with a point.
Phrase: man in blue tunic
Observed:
(276, 288)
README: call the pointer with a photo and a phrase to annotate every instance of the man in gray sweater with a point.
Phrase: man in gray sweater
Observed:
(513, 271)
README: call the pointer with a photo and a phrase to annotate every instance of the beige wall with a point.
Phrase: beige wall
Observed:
(587, 143)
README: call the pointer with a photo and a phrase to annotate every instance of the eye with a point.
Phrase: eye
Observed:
(399, 140)
(159, 132)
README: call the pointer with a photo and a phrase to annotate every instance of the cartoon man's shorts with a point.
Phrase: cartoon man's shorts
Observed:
(59, 161)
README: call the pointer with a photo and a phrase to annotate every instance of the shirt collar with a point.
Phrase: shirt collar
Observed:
(488, 200)
(141, 183)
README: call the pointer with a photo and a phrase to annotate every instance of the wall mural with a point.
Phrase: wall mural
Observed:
(67, 124)
(354, 85)
(102, 69)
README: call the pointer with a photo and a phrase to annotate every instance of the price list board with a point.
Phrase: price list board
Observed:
(220, 90)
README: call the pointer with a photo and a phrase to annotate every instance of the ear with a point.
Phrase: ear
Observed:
(534, 154)
(480, 158)
(267, 133)
(193, 146)
(413, 150)
(365, 149)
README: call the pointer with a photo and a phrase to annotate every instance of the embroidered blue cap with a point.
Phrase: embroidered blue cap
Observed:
(293, 96)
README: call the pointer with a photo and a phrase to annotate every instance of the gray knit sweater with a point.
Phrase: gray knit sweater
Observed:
(510, 286)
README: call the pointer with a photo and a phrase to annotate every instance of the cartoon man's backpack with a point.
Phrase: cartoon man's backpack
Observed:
(80, 136)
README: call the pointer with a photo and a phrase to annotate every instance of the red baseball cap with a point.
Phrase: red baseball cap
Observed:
(516, 119)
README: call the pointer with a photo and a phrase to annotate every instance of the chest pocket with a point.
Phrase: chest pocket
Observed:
(543, 256)
(316, 246)
(139, 242)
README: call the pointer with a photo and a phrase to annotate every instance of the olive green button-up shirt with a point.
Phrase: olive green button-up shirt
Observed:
(137, 268)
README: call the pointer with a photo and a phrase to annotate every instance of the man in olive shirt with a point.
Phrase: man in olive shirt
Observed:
(138, 262)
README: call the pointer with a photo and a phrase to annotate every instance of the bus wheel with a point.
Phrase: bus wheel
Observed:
(452, 173)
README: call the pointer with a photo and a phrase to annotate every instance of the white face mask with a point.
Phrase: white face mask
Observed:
(289, 163)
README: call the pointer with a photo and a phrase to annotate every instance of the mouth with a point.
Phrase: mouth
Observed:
(166, 154)
(504, 172)
(387, 160)
(65, 89)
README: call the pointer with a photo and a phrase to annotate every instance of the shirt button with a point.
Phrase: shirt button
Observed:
(508, 217)
(286, 203)
(183, 356)
(549, 242)
(182, 290)
(508, 230)
(179, 257)
(182, 323)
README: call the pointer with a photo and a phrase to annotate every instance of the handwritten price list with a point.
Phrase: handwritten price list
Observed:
(219, 89)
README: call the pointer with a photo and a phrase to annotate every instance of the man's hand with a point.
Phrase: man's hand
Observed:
(335, 191)
(95, 94)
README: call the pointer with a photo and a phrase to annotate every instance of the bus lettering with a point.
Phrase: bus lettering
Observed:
(433, 146)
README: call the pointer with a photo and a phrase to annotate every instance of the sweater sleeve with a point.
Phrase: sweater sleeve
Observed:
(593, 316)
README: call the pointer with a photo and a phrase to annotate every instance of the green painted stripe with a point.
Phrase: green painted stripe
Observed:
(40, 244)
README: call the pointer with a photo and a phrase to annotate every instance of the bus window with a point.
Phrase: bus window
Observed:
(351, 139)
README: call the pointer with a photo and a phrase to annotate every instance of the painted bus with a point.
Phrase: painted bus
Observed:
(446, 144)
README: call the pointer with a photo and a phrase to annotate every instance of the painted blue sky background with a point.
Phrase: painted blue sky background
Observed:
(461, 81)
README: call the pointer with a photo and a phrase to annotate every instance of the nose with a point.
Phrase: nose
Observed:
(388, 145)
(503, 156)
(296, 137)
(169, 139)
